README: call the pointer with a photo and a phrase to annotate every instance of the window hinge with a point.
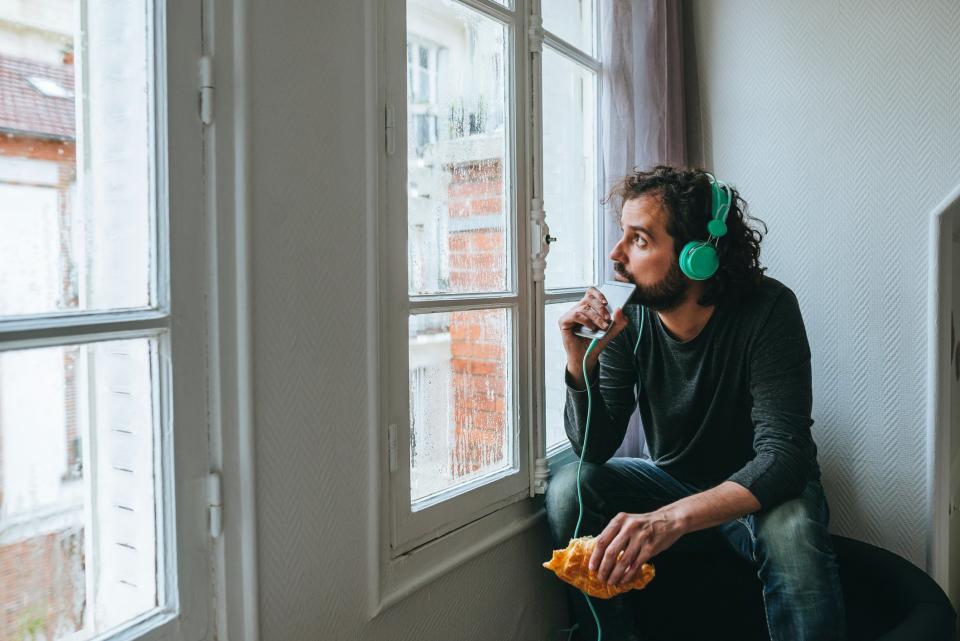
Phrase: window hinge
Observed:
(215, 504)
(206, 90)
(392, 445)
(389, 129)
(535, 33)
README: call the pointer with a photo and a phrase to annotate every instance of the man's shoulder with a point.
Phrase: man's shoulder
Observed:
(770, 289)
(765, 296)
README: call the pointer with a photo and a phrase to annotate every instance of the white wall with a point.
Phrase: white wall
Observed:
(837, 120)
(311, 174)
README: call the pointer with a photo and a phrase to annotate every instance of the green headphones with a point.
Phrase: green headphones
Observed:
(699, 259)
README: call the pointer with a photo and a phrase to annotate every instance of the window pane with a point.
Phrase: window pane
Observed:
(75, 168)
(460, 402)
(570, 197)
(555, 361)
(457, 160)
(78, 516)
(572, 20)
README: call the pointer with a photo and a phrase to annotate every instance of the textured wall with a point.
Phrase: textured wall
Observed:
(838, 122)
(310, 173)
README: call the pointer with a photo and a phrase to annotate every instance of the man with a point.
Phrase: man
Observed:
(722, 369)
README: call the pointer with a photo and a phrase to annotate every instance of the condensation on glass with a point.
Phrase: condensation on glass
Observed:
(79, 437)
(76, 206)
(570, 198)
(460, 361)
(78, 517)
(457, 160)
(460, 418)
(573, 21)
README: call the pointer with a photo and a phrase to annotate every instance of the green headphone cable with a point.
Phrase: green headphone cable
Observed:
(583, 450)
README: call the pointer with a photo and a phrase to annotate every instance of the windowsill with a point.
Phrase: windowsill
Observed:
(404, 575)
(400, 577)
(559, 458)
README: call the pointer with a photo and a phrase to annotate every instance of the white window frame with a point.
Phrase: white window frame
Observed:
(559, 455)
(408, 550)
(180, 318)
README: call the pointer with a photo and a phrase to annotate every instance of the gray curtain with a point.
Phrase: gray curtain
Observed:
(642, 107)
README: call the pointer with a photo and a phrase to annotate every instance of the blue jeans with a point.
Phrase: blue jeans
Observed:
(788, 545)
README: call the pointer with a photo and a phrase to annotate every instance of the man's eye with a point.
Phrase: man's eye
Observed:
(640, 241)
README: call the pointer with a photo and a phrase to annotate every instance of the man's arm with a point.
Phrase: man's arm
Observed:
(780, 385)
(612, 390)
(643, 536)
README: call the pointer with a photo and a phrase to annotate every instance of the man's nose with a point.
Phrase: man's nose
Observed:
(615, 254)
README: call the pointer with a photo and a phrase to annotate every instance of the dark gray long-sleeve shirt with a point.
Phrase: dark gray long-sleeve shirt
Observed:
(731, 404)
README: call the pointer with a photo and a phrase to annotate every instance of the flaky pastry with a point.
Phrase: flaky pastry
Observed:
(571, 565)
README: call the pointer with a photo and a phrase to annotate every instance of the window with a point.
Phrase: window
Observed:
(571, 183)
(99, 366)
(472, 90)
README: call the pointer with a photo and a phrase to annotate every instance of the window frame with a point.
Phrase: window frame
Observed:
(474, 522)
(558, 455)
(410, 529)
(178, 321)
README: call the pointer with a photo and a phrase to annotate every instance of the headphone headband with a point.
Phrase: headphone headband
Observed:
(720, 207)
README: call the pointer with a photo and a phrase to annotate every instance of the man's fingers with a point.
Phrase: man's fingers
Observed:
(596, 294)
(617, 324)
(631, 574)
(611, 553)
(628, 561)
(603, 540)
(587, 319)
(633, 543)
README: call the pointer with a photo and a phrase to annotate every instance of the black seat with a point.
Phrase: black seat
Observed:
(714, 594)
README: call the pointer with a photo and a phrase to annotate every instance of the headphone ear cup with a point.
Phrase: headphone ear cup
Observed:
(699, 260)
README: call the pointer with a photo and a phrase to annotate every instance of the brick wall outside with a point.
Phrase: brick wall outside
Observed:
(42, 588)
(477, 338)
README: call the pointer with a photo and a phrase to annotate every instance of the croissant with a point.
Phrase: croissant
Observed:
(570, 564)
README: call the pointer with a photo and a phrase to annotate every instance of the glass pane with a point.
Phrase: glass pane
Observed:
(78, 515)
(75, 149)
(570, 196)
(572, 20)
(460, 402)
(555, 361)
(458, 174)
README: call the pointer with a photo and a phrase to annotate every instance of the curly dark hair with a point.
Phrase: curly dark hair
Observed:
(686, 194)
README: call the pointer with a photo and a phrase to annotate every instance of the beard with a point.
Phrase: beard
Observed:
(665, 295)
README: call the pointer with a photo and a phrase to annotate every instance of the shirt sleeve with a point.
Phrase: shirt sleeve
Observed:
(613, 399)
(780, 386)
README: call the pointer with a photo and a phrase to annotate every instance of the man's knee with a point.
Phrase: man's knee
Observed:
(562, 486)
(561, 501)
(792, 538)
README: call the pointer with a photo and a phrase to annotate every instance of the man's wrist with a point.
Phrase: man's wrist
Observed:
(575, 369)
(677, 518)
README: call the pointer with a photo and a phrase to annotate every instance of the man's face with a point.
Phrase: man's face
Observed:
(645, 255)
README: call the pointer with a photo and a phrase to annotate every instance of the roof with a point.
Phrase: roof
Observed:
(36, 98)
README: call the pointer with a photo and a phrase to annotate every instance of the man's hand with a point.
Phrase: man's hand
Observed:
(640, 537)
(590, 312)
(643, 536)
